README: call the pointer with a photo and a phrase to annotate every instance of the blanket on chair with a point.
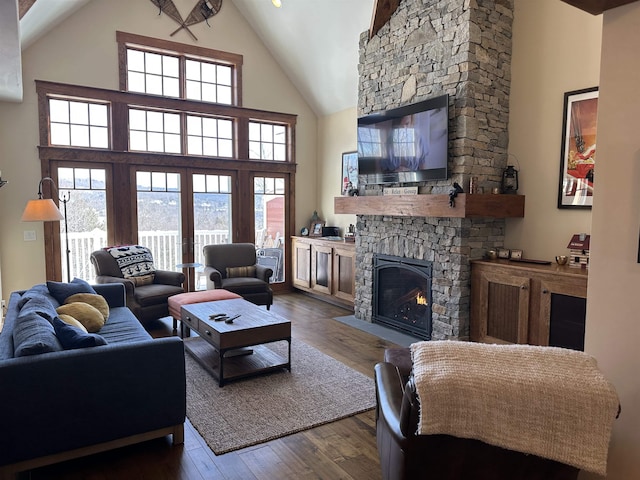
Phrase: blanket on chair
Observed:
(546, 401)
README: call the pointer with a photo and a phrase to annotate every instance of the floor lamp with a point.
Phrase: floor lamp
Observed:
(45, 210)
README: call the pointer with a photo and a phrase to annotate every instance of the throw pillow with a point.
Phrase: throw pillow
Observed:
(33, 334)
(143, 280)
(133, 260)
(69, 320)
(93, 299)
(37, 303)
(72, 337)
(86, 314)
(60, 290)
(233, 272)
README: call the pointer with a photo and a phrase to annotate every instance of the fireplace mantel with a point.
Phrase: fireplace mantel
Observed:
(466, 206)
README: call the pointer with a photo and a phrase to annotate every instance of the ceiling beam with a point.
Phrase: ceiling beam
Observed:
(24, 6)
(596, 7)
(382, 12)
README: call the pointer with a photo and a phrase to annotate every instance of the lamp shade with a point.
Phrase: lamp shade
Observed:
(41, 210)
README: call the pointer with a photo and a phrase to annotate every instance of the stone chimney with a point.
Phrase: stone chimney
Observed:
(429, 48)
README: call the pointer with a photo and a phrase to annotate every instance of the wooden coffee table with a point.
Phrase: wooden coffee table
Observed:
(222, 348)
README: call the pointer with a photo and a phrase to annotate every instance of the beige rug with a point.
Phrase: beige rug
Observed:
(318, 390)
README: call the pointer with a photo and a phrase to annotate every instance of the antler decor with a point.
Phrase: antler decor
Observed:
(201, 12)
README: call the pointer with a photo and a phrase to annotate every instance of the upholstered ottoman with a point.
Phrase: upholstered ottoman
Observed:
(187, 298)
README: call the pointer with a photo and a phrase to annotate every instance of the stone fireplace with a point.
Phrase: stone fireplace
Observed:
(402, 294)
(429, 48)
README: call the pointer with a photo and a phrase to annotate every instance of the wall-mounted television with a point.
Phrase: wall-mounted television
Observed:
(405, 144)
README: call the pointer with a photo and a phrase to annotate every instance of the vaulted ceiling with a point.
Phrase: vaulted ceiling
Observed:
(314, 41)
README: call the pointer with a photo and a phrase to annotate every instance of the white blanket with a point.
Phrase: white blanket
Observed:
(545, 401)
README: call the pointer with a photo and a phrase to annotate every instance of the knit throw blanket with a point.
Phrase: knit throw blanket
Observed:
(546, 401)
(133, 260)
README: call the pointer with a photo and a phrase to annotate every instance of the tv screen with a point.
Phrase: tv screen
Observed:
(405, 144)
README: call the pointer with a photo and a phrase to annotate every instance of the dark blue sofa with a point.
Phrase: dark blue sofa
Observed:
(69, 403)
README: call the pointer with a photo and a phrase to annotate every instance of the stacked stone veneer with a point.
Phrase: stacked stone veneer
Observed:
(429, 48)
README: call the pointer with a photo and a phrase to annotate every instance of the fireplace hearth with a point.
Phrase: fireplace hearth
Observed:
(402, 294)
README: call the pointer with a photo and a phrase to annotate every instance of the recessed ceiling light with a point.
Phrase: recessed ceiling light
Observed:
(276, 3)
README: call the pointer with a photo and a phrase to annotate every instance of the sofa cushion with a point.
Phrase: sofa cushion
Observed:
(93, 299)
(86, 314)
(33, 332)
(73, 338)
(61, 290)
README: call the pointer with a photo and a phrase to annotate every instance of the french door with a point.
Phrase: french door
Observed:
(180, 210)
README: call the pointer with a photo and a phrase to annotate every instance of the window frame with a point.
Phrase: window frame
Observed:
(183, 52)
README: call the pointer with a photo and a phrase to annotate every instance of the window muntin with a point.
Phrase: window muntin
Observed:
(78, 124)
(153, 73)
(267, 141)
(209, 136)
(154, 131)
(208, 82)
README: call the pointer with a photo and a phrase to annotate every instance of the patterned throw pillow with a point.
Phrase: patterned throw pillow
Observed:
(233, 272)
(133, 260)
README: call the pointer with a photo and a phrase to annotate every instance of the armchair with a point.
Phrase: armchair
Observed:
(234, 267)
(406, 455)
(148, 299)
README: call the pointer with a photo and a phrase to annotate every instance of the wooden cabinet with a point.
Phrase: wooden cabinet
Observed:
(528, 303)
(325, 268)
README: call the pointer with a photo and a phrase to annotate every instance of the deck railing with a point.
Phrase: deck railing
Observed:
(166, 247)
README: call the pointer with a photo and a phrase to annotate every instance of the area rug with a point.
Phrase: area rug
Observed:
(318, 390)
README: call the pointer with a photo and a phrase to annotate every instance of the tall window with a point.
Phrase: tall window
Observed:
(153, 73)
(267, 141)
(153, 131)
(85, 192)
(78, 124)
(176, 70)
(209, 136)
(182, 152)
(208, 82)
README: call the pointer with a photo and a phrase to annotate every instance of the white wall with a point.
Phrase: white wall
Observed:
(82, 50)
(613, 321)
(556, 49)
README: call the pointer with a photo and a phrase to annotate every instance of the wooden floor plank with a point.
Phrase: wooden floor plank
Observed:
(345, 449)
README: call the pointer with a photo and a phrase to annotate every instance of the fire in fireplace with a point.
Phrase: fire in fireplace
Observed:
(402, 294)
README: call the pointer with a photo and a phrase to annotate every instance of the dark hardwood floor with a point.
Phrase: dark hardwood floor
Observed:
(345, 449)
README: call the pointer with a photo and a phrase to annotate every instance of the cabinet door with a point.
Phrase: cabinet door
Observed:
(321, 268)
(562, 314)
(344, 269)
(301, 264)
(500, 311)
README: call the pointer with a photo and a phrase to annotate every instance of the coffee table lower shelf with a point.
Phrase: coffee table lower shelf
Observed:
(236, 363)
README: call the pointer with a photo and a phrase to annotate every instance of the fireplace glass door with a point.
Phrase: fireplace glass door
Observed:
(402, 294)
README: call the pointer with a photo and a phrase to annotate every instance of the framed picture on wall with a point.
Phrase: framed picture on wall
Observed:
(349, 173)
(578, 153)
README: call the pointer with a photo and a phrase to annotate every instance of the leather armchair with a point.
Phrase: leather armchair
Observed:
(147, 302)
(406, 455)
(234, 267)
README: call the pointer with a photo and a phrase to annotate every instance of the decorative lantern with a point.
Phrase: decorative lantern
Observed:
(510, 180)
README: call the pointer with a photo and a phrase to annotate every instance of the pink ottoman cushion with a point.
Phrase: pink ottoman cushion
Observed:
(187, 298)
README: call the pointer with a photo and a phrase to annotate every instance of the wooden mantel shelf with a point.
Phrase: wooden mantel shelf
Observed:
(466, 206)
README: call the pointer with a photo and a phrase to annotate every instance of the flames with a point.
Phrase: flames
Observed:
(421, 299)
